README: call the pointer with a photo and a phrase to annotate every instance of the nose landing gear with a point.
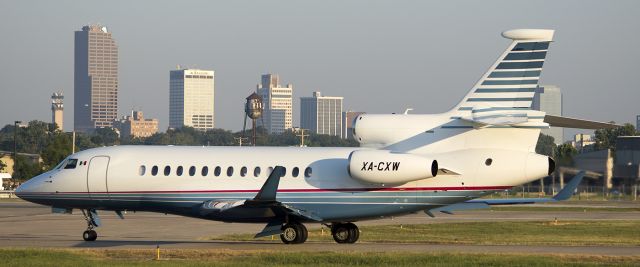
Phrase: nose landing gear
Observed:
(91, 216)
(89, 235)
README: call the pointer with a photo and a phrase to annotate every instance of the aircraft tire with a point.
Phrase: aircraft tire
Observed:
(345, 233)
(294, 233)
(89, 235)
(354, 233)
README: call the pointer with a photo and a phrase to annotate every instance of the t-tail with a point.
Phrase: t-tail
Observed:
(512, 80)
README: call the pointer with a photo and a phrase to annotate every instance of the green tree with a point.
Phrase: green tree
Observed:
(105, 137)
(545, 145)
(606, 138)
(564, 154)
(57, 150)
(25, 169)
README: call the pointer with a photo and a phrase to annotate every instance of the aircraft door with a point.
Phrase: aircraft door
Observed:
(97, 177)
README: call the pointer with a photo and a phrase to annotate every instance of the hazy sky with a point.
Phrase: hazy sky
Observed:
(382, 56)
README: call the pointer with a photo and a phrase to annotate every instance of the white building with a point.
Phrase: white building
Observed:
(322, 114)
(580, 141)
(548, 98)
(277, 102)
(57, 110)
(191, 99)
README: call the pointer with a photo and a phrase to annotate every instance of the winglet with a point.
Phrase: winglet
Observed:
(270, 187)
(568, 189)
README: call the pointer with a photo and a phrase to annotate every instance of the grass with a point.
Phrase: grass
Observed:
(562, 233)
(87, 257)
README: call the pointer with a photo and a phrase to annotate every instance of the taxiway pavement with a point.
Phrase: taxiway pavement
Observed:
(24, 224)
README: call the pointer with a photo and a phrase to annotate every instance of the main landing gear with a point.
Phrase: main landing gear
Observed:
(343, 233)
(294, 233)
(91, 216)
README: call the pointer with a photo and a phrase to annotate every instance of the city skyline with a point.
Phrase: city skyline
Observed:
(365, 48)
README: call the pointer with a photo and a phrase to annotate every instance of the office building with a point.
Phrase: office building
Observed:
(136, 125)
(638, 123)
(57, 110)
(95, 79)
(582, 142)
(277, 101)
(348, 119)
(548, 98)
(191, 99)
(322, 114)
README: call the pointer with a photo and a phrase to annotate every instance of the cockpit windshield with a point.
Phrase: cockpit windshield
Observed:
(61, 164)
(71, 164)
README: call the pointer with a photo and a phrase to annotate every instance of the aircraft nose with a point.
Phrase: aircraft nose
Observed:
(27, 187)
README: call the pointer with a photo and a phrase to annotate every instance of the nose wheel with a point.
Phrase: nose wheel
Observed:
(345, 233)
(89, 235)
(91, 216)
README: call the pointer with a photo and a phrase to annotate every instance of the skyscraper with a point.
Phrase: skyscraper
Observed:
(191, 98)
(548, 98)
(277, 102)
(95, 78)
(57, 110)
(321, 114)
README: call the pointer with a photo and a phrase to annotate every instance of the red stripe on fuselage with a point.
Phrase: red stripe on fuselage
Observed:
(393, 189)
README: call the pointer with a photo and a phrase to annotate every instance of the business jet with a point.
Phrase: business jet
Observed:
(406, 163)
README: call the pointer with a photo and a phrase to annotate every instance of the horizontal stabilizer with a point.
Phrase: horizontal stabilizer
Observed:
(483, 117)
(500, 119)
(558, 121)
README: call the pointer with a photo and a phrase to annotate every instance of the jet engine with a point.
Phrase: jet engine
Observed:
(385, 167)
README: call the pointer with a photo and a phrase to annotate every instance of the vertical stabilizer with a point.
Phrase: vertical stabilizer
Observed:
(511, 81)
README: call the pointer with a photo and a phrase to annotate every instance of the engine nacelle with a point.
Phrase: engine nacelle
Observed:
(384, 167)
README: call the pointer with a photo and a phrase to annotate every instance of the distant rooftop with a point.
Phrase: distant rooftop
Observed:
(95, 28)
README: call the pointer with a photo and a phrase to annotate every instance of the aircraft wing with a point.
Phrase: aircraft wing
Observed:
(567, 122)
(564, 194)
(263, 203)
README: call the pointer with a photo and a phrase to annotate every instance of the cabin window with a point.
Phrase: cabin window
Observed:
(142, 170)
(295, 172)
(192, 171)
(284, 172)
(243, 171)
(154, 170)
(269, 170)
(71, 164)
(307, 172)
(167, 170)
(205, 171)
(256, 172)
(217, 171)
(230, 171)
(179, 171)
(488, 162)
